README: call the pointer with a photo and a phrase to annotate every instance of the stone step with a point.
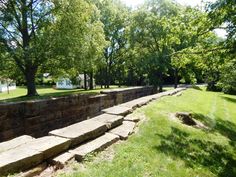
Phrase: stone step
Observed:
(31, 154)
(110, 120)
(166, 93)
(11, 144)
(19, 159)
(49, 146)
(61, 160)
(137, 102)
(81, 132)
(95, 145)
(124, 130)
(134, 117)
(118, 110)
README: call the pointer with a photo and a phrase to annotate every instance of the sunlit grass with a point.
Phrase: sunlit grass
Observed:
(45, 92)
(164, 147)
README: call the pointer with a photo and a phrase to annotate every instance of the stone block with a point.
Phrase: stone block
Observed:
(124, 130)
(49, 146)
(81, 131)
(11, 144)
(118, 110)
(19, 159)
(110, 120)
(95, 145)
(12, 133)
(137, 102)
(132, 118)
(61, 160)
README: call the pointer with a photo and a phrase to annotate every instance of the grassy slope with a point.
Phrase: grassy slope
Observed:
(163, 147)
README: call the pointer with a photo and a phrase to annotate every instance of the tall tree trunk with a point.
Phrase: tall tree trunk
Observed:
(8, 87)
(176, 77)
(30, 82)
(108, 75)
(161, 82)
(85, 81)
(91, 81)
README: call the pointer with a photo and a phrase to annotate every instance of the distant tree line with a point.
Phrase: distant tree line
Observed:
(161, 42)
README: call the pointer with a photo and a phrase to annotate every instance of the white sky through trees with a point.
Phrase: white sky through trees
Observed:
(192, 3)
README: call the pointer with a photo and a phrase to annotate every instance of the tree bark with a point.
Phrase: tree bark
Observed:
(30, 82)
(161, 82)
(85, 81)
(91, 81)
(108, 75)
(8, 87)
(176, 77)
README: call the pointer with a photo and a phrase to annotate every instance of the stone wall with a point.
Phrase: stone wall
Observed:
(37, 118)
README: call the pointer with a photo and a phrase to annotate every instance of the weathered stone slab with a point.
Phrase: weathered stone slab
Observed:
(110, 120)
(132, 118)
(11, 144)
(62, 159)
(118, 110)
(120, 90)
(49, 145)
(124, 130)
(156, 96)
(81, 131)
(95, 145)
(166, 93)
(137, 102)
(31, 153)
(19, 159)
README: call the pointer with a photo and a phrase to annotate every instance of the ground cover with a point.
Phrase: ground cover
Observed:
(45, 92)
(166, 147)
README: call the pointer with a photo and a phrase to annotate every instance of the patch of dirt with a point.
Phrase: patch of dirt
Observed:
(187, 119)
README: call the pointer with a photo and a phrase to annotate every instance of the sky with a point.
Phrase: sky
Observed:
(135, 3)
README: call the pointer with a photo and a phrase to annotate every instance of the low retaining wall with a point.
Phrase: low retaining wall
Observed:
(37, 118)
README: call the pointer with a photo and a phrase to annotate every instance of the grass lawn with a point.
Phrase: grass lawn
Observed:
(44, 92)
(47, 92)
(165, 148)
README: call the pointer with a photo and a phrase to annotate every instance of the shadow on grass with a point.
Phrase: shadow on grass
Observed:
(220, 159)
(50, 95)
(196, 152)
(229, 99)
(224, 127)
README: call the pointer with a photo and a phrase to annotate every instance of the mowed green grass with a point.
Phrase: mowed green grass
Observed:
(166, 148)
(45, 92)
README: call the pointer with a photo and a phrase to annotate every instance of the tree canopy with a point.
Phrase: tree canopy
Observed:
(160, 42)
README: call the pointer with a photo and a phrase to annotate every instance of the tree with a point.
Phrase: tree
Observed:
(24, 33)
(152, 31)
(114, 16)
(81, 45)
(223, 15)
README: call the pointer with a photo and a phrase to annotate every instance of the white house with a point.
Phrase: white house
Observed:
(6, 85)
(66, 83)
